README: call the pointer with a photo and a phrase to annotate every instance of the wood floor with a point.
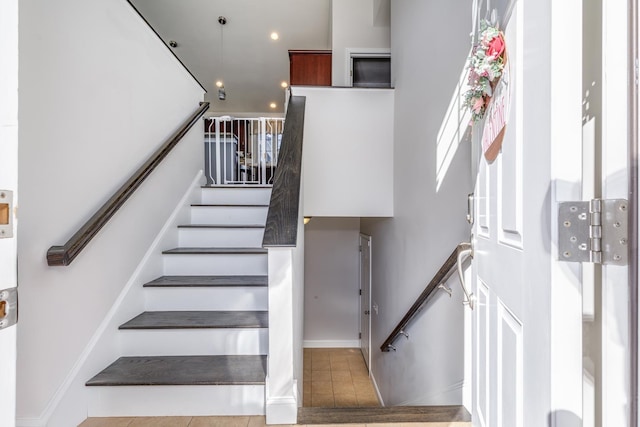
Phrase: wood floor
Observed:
(232, 422)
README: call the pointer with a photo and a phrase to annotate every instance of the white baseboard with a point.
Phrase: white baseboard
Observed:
(375, 387)
(281, 409)
(331, 344)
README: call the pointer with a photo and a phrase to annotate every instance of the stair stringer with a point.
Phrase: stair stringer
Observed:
(70, 404)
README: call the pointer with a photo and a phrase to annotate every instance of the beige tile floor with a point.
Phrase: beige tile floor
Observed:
(336, 378)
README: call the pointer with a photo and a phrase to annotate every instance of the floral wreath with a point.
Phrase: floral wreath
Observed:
(486, 64)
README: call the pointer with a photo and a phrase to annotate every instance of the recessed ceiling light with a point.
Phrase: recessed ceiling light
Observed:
(273, 105)
(275, 36)
(284, 84)
(219, 83)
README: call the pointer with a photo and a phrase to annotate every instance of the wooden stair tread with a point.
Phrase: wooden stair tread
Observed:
(198, 320)
(207, 281)
(221, 226)
(214, 251)
(183, 370)
(389, 414)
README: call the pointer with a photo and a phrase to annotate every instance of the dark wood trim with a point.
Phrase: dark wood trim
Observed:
(310, 52)
(166, 45)
(281, 229)
(388, 414)
(441, 276)
(64, 255)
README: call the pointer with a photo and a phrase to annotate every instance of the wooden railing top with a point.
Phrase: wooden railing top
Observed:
(445, 271)
(281, 229)
(64, 255)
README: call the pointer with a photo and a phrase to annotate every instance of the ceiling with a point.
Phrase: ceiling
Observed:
(254, 65)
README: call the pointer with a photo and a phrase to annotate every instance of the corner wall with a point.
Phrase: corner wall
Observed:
(430, 43)
(357, 24)
(98, 94)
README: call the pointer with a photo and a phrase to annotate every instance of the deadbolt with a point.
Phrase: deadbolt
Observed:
(6, 213)
(8, 307)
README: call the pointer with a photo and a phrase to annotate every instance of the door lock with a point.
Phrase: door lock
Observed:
(6, 214)
(8, 307)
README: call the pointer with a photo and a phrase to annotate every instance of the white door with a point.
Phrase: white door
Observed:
(365, 297)
(527, 321)
(8, 181)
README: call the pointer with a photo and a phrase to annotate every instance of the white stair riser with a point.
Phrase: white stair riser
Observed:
(194, 342)
(223, 298)
(228, 215)
(236, 196)
(207, 264)
(220, 237)
(158, 401)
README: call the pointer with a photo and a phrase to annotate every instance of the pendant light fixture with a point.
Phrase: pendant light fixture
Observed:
(222, 94)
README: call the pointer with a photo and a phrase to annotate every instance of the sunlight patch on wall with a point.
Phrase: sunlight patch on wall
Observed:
(453, 130)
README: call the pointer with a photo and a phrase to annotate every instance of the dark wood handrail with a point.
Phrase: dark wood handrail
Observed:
(64, 255)
(281, 229)
(445, 271)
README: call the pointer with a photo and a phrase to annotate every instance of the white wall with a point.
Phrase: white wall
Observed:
(284, 383)
(331, 282)
(98, 93)
(359, 25)
(348, 151)
(8, 181)
(428, 222)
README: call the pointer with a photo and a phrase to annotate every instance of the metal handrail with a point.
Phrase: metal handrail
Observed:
(460, 254)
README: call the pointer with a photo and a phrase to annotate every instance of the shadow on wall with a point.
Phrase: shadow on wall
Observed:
(454, 130)
(564, 419)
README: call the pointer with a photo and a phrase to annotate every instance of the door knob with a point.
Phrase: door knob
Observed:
(465, 250)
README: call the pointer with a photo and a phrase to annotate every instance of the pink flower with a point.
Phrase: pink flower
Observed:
(477, 105)
(496, 46)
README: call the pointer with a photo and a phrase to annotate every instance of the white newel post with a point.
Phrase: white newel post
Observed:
(281, 394)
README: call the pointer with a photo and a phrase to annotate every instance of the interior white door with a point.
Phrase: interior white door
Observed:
(8, 181)
(527, 353)
(365, 297)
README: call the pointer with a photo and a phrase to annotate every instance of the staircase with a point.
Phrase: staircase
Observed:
(200, 347)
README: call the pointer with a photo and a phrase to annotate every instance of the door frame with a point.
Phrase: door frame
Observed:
(361, 52)
(367, 304)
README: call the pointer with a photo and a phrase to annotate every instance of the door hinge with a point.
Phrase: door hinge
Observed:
(8, 307)
(593, 231)
(359, 335)
(360, 248)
